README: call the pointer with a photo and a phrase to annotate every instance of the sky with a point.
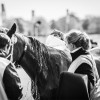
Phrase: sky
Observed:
(51, 9)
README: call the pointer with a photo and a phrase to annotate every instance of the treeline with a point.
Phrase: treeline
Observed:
(90, 24)
(40, 27)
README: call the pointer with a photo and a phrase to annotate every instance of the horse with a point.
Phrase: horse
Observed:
(42, 63)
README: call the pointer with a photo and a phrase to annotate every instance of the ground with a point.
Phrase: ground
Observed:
(26, 84)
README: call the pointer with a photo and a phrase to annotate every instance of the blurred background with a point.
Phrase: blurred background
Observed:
(39, 17)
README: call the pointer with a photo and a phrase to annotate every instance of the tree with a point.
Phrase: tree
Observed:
(53, 24)
(41, 26)
(85, 24)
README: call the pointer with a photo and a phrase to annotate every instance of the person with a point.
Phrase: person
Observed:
(83, 62)
(10, 83)
(56, 40)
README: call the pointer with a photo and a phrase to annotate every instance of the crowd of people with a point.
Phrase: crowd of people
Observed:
(77, 43)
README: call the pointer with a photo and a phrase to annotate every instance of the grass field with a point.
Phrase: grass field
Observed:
(26, 84)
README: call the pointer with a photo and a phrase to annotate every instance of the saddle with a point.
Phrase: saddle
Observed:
(73, 87)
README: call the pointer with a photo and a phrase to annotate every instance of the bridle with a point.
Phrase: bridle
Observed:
(10, 55)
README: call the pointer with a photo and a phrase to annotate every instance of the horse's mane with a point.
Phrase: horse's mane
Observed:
(43, 54)
(48, 71)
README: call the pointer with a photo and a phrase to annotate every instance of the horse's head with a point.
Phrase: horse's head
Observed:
(22, 51)
(18, 44)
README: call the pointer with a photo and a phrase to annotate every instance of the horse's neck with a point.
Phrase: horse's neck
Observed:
(50, 62)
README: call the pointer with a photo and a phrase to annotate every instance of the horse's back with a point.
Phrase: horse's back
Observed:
(72, 87)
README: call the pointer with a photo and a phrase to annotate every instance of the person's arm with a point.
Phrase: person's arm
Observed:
(12, 83)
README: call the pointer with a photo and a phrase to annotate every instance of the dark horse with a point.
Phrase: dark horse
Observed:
(42, 63)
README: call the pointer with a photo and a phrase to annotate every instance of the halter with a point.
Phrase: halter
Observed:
(10, 55)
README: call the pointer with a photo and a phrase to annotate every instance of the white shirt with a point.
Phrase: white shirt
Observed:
(55, 42)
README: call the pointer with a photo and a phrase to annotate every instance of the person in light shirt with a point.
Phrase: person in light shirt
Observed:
(56, 40)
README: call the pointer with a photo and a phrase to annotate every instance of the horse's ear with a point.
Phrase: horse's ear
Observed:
(12, 30)
(31, 38)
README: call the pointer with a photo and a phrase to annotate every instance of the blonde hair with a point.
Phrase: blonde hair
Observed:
(78, 38)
